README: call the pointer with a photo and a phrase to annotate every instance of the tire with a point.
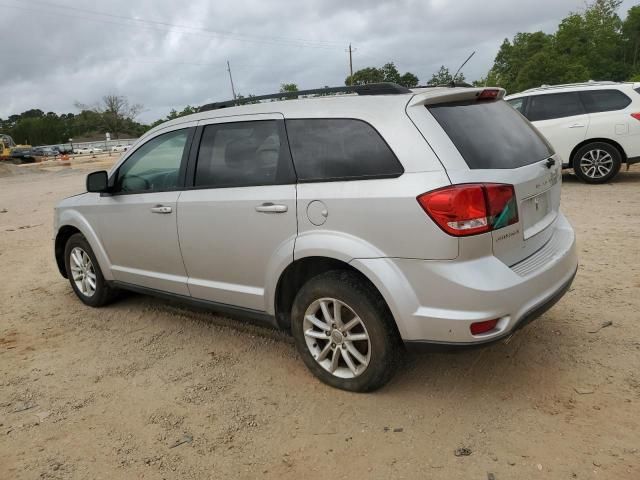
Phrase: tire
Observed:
(597, 162)
(102, 294)
(380, 350)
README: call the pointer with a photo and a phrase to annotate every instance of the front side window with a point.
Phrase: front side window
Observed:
(155, 166)
(554, 105)
(339, 149)
(243, 154)
(604, 100)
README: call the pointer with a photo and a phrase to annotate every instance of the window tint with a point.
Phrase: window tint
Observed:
(517, 103)
(339, 149)
(491, 134)
(554, 105)
(604, 100)
(242, 154)
(155, 166)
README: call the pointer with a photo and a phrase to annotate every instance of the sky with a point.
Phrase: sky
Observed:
(165, 54)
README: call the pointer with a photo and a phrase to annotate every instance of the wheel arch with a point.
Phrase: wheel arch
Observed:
(613, 143)
(71, 222)
(64, 234)
(300, 271)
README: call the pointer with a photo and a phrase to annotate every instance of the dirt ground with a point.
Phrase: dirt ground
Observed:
(112, 393)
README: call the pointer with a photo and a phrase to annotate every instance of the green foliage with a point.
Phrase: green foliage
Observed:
(631, 39)
(34, 127)
(288, 87)
(387, 73)
(594, 44)
(173, 114)
(444, 77)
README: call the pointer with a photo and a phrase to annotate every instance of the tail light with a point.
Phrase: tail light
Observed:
(489, 94)
(471, 209)
(636, 116)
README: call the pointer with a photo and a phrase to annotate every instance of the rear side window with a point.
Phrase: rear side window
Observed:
(339, 149)
(517, 103)
(243, 154)
(491, 135)
(604, 100)
(554, 105)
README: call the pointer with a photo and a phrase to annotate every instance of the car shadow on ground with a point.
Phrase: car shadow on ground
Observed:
(511, 364)
(624, 176)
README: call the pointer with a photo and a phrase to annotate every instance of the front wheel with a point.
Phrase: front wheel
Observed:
(344, 332)
(597, 162)
(84, 273)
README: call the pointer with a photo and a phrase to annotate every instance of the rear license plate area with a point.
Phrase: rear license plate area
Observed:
(536, 213)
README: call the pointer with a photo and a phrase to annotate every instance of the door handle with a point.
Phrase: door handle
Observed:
(577, 125)
(271, 208)
(161, 209)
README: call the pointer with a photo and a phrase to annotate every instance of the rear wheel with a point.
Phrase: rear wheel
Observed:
(344, 332)
(84, 273)
(597, 162)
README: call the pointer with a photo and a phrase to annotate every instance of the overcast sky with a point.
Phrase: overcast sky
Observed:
(166, 54)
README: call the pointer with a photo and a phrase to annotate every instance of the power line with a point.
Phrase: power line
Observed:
(187, 29)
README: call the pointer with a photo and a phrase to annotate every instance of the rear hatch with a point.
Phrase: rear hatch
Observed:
(480, 139)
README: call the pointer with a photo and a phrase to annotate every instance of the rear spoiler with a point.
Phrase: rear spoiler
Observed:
(449, 95)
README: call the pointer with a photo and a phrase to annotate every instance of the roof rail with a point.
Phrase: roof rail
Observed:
(385, 88)
(447, 85)
(590, 83)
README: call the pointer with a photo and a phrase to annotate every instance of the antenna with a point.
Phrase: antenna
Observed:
(463, 64)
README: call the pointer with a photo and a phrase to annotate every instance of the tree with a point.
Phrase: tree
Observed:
(592, 44)
(631, 40)
(288, 87)
(387, 73)
(444, 77)
(173, 114)
(116, 113)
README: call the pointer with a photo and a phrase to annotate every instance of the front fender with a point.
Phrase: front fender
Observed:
(73, 218)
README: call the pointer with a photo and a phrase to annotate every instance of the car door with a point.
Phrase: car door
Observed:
(561, 118)
(608, 112)
(238, 221)
(137, 221)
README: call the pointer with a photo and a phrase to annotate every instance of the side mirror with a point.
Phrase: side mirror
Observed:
(98, 182)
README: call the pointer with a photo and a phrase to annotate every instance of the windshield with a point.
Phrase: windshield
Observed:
(491, 135)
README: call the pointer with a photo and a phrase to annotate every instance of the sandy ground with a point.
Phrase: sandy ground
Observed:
(108, 393)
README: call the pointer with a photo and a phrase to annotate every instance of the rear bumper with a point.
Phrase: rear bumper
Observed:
(527, 318)
(436, 301)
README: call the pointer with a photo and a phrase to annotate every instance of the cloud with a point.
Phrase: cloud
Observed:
(60, 52)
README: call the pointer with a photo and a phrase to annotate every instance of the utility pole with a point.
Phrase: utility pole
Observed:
(350, 65)
(233, 90)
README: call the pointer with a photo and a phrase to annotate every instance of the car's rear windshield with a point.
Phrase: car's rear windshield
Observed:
(491, 135)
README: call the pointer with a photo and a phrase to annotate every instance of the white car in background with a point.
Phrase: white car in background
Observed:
(593, 126)
(120, 148)
(87, 150)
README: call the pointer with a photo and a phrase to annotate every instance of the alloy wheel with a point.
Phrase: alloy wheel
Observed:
(596, 163)
(83, 272)
(337, 338)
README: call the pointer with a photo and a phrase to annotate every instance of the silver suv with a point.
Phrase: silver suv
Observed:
(358, 221)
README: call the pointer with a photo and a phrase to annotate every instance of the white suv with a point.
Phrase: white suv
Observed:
(356, 221)
(594, 126)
